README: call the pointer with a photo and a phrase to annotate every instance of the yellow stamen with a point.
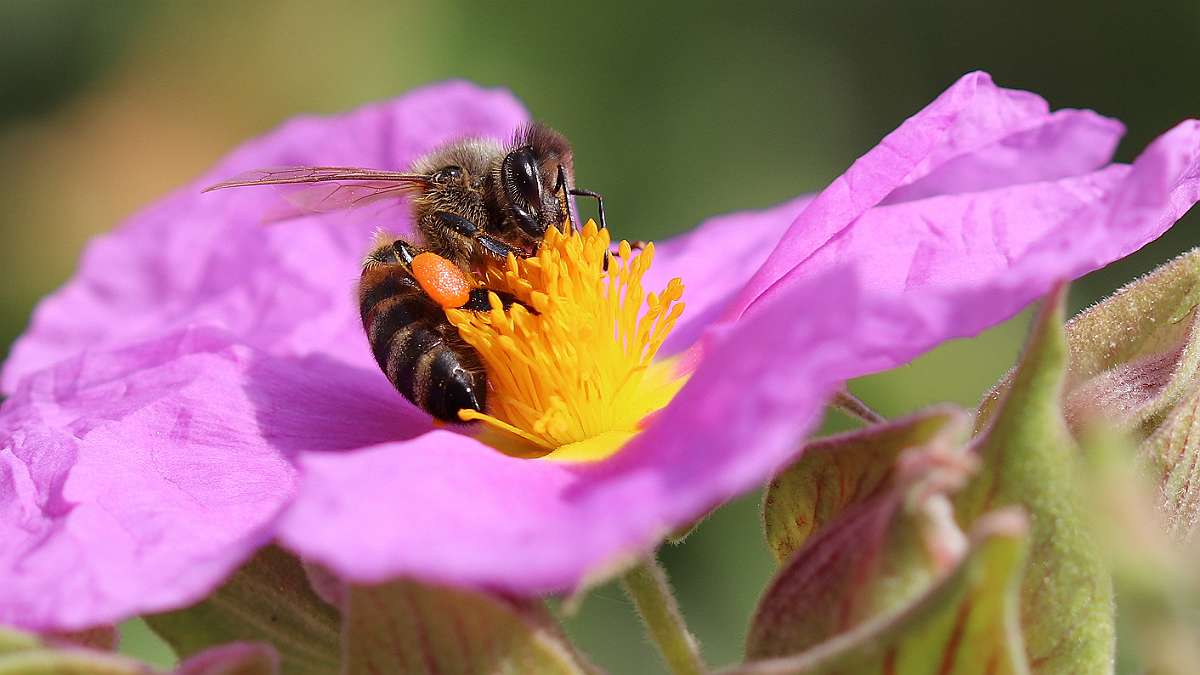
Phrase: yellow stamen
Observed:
(572, 381)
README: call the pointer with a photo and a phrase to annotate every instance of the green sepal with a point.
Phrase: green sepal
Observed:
(1028, 458)
(965, 624)
(836, 473)
(269, 599)
(12, 641)
(1157, 588)
(409, 627)
(69, 662)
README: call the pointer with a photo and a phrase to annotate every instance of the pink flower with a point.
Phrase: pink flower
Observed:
(202, 386)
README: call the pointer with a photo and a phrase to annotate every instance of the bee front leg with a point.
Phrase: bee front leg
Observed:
(463, 227)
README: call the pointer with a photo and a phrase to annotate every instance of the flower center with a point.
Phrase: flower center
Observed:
(574, 380)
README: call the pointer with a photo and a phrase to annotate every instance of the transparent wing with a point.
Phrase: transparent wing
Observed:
(322, 189)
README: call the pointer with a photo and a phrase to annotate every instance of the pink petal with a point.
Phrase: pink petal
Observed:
(445, 508)
(950, 144)
(1062, 144)
(994, 253)
(136, 480)
(715, 260)
(208, 257)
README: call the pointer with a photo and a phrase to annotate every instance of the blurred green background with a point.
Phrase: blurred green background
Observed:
(677, 111)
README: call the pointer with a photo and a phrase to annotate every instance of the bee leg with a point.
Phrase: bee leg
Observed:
(599, 202)
(479, 301)
(497, 248)
(405, 252)
(466, 228)
(457, 223)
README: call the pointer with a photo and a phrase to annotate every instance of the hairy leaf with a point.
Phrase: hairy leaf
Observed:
(1135, 354)
(407, 627)
(834, 474)
(268, 600)
(1173, 452)
(964, 624)
(1028, 459)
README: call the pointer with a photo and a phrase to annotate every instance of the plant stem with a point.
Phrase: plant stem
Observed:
(851, 405)
(647, 585)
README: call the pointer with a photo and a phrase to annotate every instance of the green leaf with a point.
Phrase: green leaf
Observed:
(1135, 354)
(965, 624)
(833, 474)
(1028, 458)
(268, 600)
(407, 627)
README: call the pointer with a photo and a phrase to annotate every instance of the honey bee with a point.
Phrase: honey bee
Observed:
(474, 202)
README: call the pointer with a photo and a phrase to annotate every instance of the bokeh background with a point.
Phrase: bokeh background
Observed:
(677, 111)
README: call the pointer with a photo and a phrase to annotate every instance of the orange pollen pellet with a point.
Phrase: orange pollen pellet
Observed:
(442, 280)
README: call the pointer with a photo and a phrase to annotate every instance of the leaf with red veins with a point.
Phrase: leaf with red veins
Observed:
(269, 599)
(881, 540)
(408, 627)
(1135, 354)
(965, 624)
(834, 474)
(239, 658)
(1028, 458)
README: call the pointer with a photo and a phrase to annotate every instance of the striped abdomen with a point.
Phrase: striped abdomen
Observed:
(417, 348)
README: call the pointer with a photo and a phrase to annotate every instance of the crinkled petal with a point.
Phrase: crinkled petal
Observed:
(136, 480)
(1023, 143)
(1038, 233)
(207, 257)
(974, 136)
(443, 507)
(1062, 144)
(955, 286)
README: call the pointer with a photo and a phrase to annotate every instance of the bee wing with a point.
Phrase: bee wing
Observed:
(322, 189)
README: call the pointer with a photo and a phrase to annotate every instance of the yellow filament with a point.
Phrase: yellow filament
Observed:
(574, 380)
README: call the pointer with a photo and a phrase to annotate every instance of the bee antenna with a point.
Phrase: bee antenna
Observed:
(566, 192)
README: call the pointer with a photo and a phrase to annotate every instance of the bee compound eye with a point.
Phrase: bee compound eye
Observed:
(447, 174)
(523, 176)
